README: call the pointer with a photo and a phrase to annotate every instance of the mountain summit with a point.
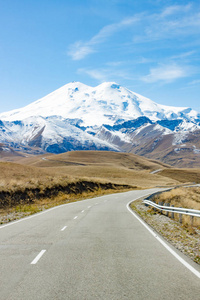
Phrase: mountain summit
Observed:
(106, 103)
(105, 117)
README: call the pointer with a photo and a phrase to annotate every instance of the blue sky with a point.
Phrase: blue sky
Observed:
(149, 46)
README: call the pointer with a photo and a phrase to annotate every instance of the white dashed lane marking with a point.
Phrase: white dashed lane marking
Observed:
(63, 228)
(38, 257)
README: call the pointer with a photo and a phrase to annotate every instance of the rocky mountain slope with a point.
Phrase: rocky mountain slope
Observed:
(106, 117)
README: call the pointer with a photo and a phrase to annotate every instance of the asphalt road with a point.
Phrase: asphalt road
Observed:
(92, 249)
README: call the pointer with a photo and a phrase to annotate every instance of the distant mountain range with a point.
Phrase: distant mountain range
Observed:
(106, 117)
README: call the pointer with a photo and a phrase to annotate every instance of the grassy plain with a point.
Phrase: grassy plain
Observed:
(37, 182)
(182, 175)
(118, 168)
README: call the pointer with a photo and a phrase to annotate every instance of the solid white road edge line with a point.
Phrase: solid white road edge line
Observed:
(186, 264)
(38, 257)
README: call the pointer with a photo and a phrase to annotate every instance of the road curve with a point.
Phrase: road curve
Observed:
(91, 249)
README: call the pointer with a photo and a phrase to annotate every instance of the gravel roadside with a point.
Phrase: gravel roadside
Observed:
(184, 238)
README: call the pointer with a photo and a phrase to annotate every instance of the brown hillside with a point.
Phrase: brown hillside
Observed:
(45, 181)
(182, 175)
(120, 168)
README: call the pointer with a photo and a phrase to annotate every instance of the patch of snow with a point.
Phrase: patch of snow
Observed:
(122, 136)
(164, 130)
(177, 150)
(112, 135)
(179, 138)
(196, 151)
(6, 149)
(138, 130)
(187, 126)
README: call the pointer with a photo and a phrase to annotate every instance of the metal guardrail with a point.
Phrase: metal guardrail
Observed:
(179, 210)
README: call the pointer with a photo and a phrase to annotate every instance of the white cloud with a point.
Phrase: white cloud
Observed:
(99, 75)
(184, 55)
(106, 74)
(115, 63)
(173, 21)
(80, 49)
(166, 73)
(170, 10)
(108, 30)
(195, 82)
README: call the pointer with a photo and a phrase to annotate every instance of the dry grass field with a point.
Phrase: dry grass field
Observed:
(182, 175)
(47, 180)
(119, 168)
(38, 182)
(28, 189)
(14, 176)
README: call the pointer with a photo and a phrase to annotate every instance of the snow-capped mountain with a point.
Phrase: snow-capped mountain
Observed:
(106, 117)
(107, 103)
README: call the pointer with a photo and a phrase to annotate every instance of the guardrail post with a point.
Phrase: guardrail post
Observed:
(167, 213)
(172, 214)
(161, 203)
(154, 207)
(180, 218)
(168, 206)
(191, 220)
(165, 204)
